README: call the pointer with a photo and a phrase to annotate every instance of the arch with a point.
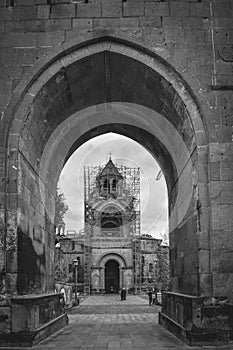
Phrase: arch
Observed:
(111, 222)
(93, 38)
(111, 256)
(54, 114)
(112, 276)
(112, 205)
(54, 65)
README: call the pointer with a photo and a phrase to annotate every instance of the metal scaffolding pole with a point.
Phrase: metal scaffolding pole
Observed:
(131, 176)
(90, 174)
(131, 189)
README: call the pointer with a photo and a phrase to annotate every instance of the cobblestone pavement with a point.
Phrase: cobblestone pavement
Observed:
(105, 322)
(111, 310)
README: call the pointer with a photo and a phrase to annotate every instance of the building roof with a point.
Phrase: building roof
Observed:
(110, 169)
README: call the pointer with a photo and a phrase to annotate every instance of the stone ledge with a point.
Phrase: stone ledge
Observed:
(30, 318)
(197, 320)
(32, 338)
(182, 295)
(194, 338)
(21, 299)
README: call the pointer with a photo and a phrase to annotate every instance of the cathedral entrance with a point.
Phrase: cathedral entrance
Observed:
(112, 276)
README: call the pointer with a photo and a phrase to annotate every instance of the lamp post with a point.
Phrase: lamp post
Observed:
(75, 262)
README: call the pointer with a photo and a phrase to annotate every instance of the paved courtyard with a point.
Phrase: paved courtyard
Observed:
(105, 322)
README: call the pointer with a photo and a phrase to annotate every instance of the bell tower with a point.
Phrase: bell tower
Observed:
(109, 182)
(112, 223)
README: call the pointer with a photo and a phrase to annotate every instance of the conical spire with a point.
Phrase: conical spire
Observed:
(110, 169)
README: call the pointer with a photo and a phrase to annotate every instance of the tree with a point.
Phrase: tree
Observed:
(165, 237)
(60, 208)
(61, 268)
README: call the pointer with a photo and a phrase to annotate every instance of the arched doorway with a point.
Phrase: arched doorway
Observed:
(104, 85)
(112, 276)
(113, 266)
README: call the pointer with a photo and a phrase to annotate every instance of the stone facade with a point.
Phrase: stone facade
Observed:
(73, 70)
(154, 263)
(111, 253)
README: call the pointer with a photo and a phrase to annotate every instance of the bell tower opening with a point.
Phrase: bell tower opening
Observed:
(112, 276)
(111, 221)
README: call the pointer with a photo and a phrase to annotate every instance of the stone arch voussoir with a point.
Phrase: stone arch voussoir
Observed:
(111, 256)
(77, 48)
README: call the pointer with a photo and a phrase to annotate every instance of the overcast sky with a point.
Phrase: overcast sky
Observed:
(124, 151)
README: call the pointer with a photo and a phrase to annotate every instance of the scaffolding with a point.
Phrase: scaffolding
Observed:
(89, 187)
(131, 187)
(131, 177)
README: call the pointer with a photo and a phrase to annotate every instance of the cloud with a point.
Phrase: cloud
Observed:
(124, 151)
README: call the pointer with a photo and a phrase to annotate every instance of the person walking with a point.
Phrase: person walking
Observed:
(155, 299)
(150, 297)
(124, 293)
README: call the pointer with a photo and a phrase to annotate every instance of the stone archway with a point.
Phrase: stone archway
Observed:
(110, 222)
(103, 85)
(119, 263)
(112, 277)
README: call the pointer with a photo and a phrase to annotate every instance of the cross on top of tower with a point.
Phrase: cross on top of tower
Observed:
(110, 155)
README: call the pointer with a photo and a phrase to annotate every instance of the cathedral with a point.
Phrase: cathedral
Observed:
(111, 252)
(158, 72)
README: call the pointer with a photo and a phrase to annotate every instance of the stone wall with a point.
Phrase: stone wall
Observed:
(31, 318)
(154, 260)
(193, 39)
(198, 321)
(154, 264)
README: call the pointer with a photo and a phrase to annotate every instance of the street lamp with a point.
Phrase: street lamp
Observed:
(75, 262)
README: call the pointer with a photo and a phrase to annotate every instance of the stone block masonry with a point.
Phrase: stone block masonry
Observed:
(192, 38)
(67, 19)
(185, 33)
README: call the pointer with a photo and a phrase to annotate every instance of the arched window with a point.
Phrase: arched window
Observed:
(114, 182)
(111, 221)
(105, 184)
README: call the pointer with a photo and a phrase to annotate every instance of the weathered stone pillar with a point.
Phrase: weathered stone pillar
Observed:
(102, 278)
(30, 310)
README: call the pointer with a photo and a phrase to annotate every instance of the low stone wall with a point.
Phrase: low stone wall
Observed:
(28, 319)
(197, 320)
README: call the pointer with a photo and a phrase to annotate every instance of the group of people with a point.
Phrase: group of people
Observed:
(152, 294)
(152, 297)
